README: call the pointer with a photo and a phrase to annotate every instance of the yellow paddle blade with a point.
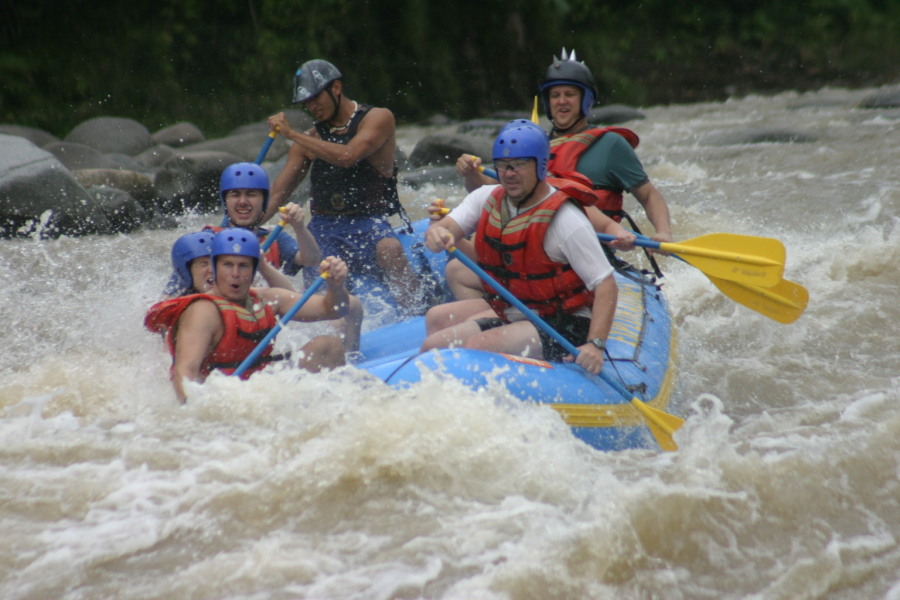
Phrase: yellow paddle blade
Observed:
(661, 424)
(745, 259)
(534, 112)
(784, 302)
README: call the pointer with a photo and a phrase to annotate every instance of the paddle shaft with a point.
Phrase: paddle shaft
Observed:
(265, 148)
(694, 251)
(534, 318)
(270, 239)
(251, 358)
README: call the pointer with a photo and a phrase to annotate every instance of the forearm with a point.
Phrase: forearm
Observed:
(309, 254)
(475, 180)
(180, 374)
(656, 208)
(336, 302)
(291, 176)
(276, 279)
(606, 296)
(341, 155)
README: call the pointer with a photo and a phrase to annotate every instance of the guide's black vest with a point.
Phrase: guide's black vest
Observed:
(357, 191)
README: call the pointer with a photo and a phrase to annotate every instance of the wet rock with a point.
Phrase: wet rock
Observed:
(112, 134)
(39, 195)
(178, 135)
(155, 156)
(614, 114)
(79, 156)
(122, 211)
(445, 148)
(138, 185)
(300, 120)
(425, 175)
(190, 181)
(488, 127)
(762, 136)
(244, 146)
(886, 98)
(38, 137)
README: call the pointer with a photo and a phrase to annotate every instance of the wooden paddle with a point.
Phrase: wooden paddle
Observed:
(746, 259)
(245, 364)
(661, 424)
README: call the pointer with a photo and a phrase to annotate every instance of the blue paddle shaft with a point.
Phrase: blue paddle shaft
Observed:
(534, 318)
(640, 241)
(245, 364)
(270, 239)
(265, 148)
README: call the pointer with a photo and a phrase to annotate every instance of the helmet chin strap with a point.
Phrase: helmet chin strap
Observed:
(336, 102)
(577, 126)
(526, 198)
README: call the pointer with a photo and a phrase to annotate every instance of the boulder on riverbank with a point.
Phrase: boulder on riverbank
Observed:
(72, 186)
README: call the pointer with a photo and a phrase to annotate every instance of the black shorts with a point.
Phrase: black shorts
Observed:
(573, 328)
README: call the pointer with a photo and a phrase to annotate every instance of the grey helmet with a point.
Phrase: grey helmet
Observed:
(312, 77)
(568, 70)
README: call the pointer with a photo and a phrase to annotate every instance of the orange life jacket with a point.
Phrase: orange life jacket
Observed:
(565, 152)
(512, 251)
(273, 255)
(244, 329)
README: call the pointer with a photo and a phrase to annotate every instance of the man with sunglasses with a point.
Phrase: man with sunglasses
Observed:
(536, 241)
(349, 154)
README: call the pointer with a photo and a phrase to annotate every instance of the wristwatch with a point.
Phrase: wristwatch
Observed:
(598, 342)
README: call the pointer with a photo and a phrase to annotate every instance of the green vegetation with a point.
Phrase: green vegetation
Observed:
(223, 63)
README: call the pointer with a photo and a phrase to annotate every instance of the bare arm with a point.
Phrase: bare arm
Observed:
(198, 331)
(603, 224)
(656, 208)
(606, 295)
(467, 166)
(375, 130)
(443, 234)
(308, 252)
(274, 277)
(334, 304)
(293, 173)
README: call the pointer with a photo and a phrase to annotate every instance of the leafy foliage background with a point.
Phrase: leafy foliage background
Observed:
(222, 63)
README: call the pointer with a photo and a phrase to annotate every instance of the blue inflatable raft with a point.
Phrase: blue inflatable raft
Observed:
(641, 357)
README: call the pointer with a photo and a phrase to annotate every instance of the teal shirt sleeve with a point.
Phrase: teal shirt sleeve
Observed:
(612, 162)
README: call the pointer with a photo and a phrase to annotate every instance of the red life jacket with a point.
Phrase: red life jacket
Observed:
(273, 255)
(565, 152)
(243, 331)
(514, 254)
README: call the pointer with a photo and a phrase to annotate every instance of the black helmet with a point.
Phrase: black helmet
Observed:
(312, 77)
(566, 70)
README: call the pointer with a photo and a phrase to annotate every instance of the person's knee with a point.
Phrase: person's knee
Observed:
(389, 251)
(323, 352)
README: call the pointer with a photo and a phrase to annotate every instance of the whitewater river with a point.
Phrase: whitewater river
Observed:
(334, 486)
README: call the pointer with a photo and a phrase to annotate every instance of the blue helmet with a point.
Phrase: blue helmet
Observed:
(521, 123)
(524, 142)
(235, 241)
(567, 70)
(187, 248)
(244, 175)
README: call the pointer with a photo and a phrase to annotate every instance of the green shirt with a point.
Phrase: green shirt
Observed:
(612, 162)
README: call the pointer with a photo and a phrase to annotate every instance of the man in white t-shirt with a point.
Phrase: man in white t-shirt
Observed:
(536, 241)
